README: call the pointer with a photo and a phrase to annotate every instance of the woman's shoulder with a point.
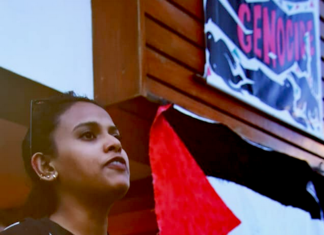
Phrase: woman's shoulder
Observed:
(27, 226)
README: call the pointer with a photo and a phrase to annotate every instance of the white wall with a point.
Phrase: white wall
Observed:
(48, 41)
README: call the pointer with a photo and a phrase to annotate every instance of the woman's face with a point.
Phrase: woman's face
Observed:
(90, 157)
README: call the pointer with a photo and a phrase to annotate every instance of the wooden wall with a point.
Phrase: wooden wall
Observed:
(162, 56)
(134, 215)
(174, 53)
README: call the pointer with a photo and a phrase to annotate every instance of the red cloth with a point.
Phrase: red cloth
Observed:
(185, 202)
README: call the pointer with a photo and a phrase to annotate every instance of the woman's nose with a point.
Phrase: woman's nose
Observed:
(112, 144)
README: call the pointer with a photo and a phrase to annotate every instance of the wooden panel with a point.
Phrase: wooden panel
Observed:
(140, 188)
(135, 213)
(195, 7)
(16, 92)
(238, 126)
(174, 46)
(14, 190)
(116, 53)
(180, 78)
(133, 204)
(147, 233)
(175, 19)
(139, 197)
(140, 106)
(133, 223)
(135, 141)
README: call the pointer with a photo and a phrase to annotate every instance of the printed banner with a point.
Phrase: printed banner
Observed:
(266, 53)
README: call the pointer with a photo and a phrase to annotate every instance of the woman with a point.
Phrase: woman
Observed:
(78, 167)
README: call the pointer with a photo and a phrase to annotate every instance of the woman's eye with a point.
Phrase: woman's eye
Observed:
(88, 136)
(117, 136)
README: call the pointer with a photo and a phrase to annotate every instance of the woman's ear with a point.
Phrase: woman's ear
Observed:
(43, 167)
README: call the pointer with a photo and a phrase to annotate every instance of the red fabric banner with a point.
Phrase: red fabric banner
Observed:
(185, 202)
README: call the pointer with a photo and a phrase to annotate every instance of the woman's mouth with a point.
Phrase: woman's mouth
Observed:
(117, 163)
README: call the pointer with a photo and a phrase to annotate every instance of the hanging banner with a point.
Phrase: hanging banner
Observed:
(204, 186)
(267, 53)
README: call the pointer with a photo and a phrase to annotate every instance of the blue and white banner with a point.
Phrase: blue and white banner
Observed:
(267, 53)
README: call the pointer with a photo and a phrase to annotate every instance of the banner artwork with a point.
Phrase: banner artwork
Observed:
(266, 53)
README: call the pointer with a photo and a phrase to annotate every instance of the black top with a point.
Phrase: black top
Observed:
(30, 226)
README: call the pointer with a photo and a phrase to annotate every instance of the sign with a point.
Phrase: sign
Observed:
(266, 53)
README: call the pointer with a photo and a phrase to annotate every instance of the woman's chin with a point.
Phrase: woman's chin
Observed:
(120, 187)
